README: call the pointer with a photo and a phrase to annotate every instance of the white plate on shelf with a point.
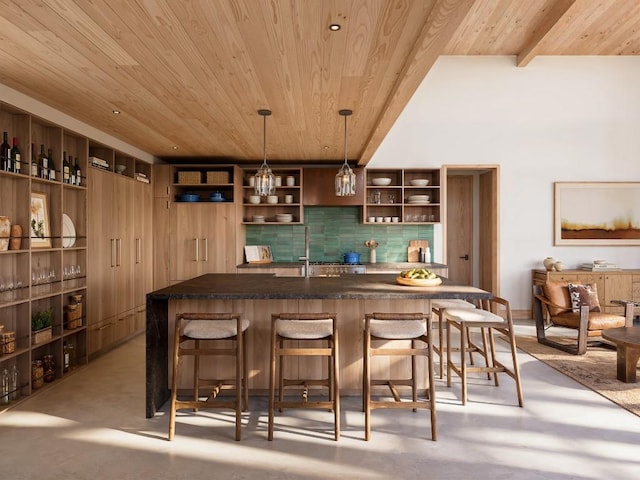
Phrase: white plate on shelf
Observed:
(68, 232)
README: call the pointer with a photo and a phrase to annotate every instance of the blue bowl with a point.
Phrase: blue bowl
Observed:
(189, 197)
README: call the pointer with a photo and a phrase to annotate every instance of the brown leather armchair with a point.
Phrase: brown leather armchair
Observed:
(553, 307)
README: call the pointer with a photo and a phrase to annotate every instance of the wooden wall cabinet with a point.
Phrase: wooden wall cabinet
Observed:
(201, 237)
(121, 270)
(403, 200)
(619, 285)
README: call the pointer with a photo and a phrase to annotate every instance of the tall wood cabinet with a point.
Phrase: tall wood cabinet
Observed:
(45, 264)
(121, 250)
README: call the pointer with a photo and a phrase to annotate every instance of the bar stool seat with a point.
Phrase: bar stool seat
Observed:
(412, 327)
(437, 306)
(212, 327)
(464, 320)
(304, 328)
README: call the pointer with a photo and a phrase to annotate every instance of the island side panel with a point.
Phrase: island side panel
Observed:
(157, 389)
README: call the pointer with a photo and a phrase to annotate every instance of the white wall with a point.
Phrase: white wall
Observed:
(558, 119)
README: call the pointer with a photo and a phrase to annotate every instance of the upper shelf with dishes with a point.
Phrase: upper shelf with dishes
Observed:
(284, 206)
(402, 196)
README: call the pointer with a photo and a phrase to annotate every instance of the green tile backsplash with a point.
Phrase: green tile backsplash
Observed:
(334, 231)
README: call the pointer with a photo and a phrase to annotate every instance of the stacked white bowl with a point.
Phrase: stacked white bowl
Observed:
(284, 217)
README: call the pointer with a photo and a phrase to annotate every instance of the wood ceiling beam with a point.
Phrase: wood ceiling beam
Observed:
(441, 25)
(558, 18)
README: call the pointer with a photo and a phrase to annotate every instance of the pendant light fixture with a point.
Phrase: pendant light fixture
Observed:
(345, 178)
(265, 181)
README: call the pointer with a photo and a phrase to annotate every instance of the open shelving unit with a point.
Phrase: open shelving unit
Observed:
(289, 183)
(402, 201)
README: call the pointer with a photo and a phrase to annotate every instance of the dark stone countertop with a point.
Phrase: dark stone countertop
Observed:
(268, 286)
(370, 266)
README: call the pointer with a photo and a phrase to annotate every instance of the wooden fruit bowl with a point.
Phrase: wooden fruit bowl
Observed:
(419, 282)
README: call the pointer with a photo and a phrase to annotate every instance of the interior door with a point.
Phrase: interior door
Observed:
(460, 228)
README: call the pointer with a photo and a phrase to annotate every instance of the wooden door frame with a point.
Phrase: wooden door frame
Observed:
(488, 225)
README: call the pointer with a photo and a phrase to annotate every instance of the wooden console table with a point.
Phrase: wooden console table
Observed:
(612, 286)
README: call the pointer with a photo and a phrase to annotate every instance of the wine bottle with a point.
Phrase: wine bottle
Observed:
(72, 171)
(52, 166)
(44, 163)
(15, 156)
(34, 162)
(65, 357)
(65, 168)
(78, 173)
(4, 152)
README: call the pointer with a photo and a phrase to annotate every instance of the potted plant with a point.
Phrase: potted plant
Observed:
(41, 323)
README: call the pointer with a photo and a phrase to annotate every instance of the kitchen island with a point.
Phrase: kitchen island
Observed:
(256, 296)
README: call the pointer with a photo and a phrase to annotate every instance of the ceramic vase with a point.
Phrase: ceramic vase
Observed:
(16, 237)
(5, 232)
(548, 263)
(372, 255)
(558, 266)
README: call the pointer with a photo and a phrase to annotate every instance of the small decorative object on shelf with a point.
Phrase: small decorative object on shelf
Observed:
(5, 232)
(13, 382)
(37, 374)
(7, 342)
(66, 357)
(4, 387)
(548, 263)
(41, 323)
(372, 244)
(49, 368)
(16, 237)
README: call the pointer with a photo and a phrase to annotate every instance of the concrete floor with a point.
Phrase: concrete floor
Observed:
(92, 426)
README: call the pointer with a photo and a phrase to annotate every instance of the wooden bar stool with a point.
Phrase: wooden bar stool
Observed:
(437, 306)
(304, 328)
(195, 327)
(412, 327)
(464, 320)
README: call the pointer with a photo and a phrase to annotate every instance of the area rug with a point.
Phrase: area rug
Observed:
(596, 370)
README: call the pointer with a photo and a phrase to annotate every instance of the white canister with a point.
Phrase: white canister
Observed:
(278, 181)
(291, 181)
(288, 199)
(252, 181)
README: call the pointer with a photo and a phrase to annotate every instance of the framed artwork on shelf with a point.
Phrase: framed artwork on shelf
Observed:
(40, 230)
(597, 213)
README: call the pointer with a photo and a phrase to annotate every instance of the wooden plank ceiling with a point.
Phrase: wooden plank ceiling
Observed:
(192, 74)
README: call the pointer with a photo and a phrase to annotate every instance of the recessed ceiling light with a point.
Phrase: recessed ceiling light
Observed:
(334, 27)
(175, 147)
(116, 112)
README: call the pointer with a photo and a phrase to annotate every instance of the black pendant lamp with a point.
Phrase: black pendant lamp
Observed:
(345, 178)
(265, 180)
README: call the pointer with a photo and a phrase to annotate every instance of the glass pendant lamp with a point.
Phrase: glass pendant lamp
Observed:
(345, 178)
(265, 180)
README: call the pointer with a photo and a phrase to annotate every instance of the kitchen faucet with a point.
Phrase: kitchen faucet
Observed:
(306, 251)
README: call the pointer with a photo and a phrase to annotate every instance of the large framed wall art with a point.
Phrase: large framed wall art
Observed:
(597, 213)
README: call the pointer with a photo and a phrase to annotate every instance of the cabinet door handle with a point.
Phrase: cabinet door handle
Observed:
(113, 252)
(119, 252)
(168, 193)
(138, 251)
(168, 204)
(205, 245)
(197, 252)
